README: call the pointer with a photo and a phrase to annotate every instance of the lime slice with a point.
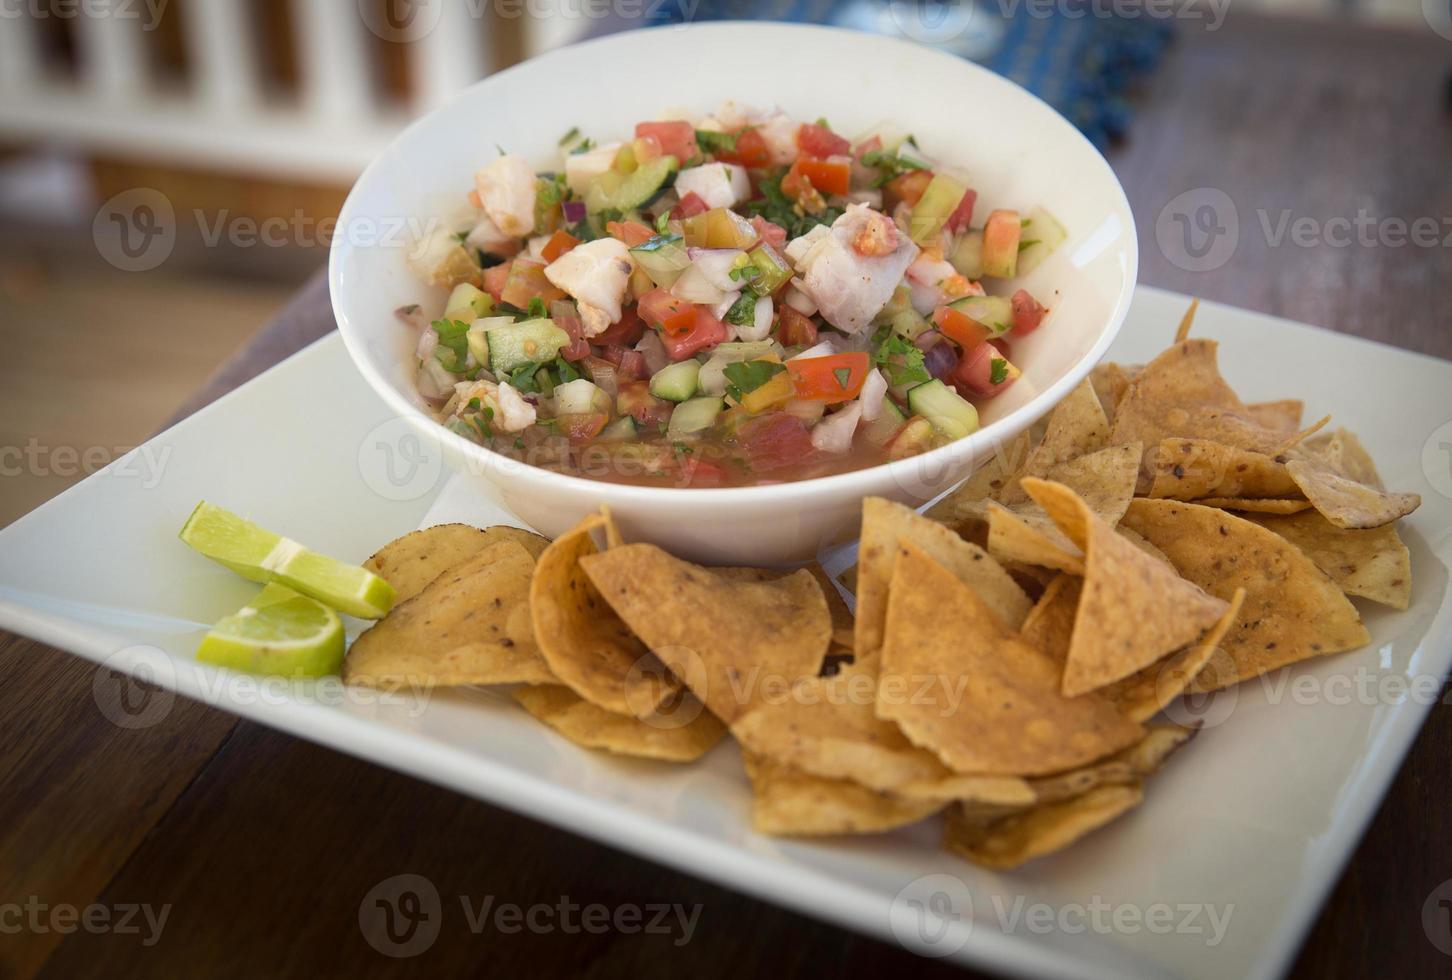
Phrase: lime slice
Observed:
(257, 554)
(280, 633)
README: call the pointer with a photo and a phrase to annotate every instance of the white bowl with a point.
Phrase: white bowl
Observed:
(1018, 151)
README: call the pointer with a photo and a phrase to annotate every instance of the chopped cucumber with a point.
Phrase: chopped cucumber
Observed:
(676, 382)
(468, 303)
(967, 257)
(1042, 233)
(613, 189)
(662, 258)
(514, 345)
(581, 397)
(950, 413)
(909, 324)
(879, 431)
(478, 340)
(621, 430)
(772, 269)
(995, 313)
(940, 199)
(694, 416)
(712, 379)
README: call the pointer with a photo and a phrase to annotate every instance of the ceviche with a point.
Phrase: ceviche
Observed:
(743, 298)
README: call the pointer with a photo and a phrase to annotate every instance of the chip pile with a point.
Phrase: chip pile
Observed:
(1010, 649)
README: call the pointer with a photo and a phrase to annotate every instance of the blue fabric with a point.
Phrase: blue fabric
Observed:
(1081, 65)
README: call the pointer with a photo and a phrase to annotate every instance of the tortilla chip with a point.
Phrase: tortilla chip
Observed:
(1292, 610)
(788, 803)
(1077, 427)
(1283, 415)
(1345, 454)
(1139, 542)
(682, 734)
(1345, 502)
(1136, 763)
(1110, 381)
(587, 646)
(731, 642)
(1187, 469)
(1023, 532)
(1050, 624)
(828, 726)
(980, 698)
(1006, 792)
(1009, 841)
(1180, 394)
(1372, 563)
(465, 627)
(837, 607)
(1253, 506)
(1133, 609)
(413, 561)
(988, 482)
(885, 525)
(1143, 695)
(1187, 321)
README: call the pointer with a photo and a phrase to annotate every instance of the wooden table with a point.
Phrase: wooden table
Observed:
(264, 845)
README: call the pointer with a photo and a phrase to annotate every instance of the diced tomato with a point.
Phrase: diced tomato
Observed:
(677, 138)
(646, 149)
(632, 233)
(959, 327)
(773, 234)
(831, 379)
(526, 282)
(750, 150)
(560, 243)
(794, 328)
(832, 176)
(819, 141)
(906, 187)
(578, 348)
(974, 375)
(625, 331)
(636, 401)
(706, 332)
(494, 279)
(668, 312)
(581, 427)
(773, 441)
(963, 213)
(690, 206)
(1028, 312)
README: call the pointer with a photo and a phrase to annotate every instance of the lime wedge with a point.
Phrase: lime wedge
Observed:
(261, 556)
(280, 633)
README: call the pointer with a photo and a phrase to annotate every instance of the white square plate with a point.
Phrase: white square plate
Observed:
(1253, 820)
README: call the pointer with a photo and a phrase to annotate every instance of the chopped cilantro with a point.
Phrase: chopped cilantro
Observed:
(452, 351)
(746, 273)
(711, 142)
(747, 376)
(566, 371)
(743, 311)
(899, 358)
(1024, 245)
(779, 209)
(822, 121)
(537, 309)
(525, 377)
(585, 146)
(571, 136)
(998, 370)
(891, 165)
(656, 242)
(843, 376)
(662, 222)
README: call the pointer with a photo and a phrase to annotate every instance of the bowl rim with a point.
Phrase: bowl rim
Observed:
(947, 458)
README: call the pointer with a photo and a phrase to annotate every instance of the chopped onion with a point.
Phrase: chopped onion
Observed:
(433, 382)
(761, 324)
(940, 359)
(716, 265)
(575, 212)
(694, 287)
(873, 390)
(602, 372)
(654, 351)
(834, 433)
(720, 310)
(799, 300)
(823, 348)
(427, 341)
